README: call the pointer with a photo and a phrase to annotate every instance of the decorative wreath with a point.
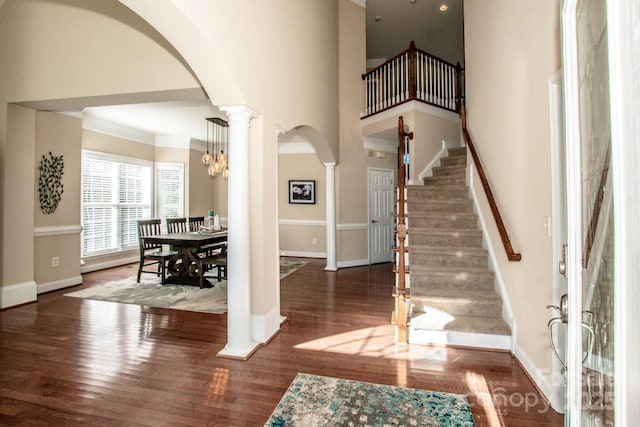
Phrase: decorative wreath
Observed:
(50, 182)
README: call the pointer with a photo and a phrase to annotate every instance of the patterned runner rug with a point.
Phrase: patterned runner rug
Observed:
(313, 400)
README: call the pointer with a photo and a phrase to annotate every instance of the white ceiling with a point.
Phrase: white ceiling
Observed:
(174, 118)
(400, 21)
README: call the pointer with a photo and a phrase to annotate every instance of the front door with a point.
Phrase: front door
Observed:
(381, 208)
(590, 356)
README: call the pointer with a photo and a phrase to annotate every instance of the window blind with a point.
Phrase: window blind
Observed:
(116, 192)
(169, 190)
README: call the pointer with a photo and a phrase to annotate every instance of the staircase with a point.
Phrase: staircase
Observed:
(453, 294)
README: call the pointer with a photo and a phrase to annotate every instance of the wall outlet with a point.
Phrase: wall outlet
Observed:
(55, 261)
(314, 241)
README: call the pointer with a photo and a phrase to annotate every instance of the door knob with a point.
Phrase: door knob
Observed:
(373, 221)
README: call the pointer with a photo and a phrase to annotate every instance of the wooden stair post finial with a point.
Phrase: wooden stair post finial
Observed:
(401, 295)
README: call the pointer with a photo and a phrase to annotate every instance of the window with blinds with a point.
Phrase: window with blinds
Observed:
(169, 190)
(116, 192)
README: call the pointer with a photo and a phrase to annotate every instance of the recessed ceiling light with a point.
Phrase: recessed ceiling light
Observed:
(443, 7)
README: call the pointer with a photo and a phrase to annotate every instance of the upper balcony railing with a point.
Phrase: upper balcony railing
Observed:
(413, 75)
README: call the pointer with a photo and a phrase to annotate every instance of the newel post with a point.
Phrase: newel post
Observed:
(401, 293)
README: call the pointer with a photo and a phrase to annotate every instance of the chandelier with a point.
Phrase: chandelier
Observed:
(217, 137)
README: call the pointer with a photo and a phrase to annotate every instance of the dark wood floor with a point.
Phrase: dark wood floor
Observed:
(68, 361)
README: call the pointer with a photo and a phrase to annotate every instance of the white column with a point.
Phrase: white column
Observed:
(239, 342)
(331, 217)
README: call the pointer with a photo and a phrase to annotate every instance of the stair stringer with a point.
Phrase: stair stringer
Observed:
(500, 287)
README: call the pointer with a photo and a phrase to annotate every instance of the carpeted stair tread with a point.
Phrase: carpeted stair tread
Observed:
(452, 286)
(457, 152)
(466, 295)
(444, 179)
(441, 205)
(443, 187)
(419, 269)
(458, 303)
(444, 322)
(450, 170)
(425, 192)
(444, 231)
(448, 251)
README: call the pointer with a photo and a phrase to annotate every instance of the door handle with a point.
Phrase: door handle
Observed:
(373, 221)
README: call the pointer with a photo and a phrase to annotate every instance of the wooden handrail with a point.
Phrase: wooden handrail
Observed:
(511, 254)
(401, 294)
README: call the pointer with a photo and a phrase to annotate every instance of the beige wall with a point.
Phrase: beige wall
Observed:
(351, 171)
(60, 135)
(201, 186)
(429, 131)
(60, 50)
(282, 56)
(110, 144)
(512, 49)
(296, 234)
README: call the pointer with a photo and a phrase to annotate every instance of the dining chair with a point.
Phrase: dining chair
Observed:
(216, 259)
(195, 222)
(177, 225)
(152, 253)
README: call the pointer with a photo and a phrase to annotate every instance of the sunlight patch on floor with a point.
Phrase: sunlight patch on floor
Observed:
(478, 387)
(377, 341)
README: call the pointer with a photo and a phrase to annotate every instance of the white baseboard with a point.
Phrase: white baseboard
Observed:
(59, 284)
(264, 327)
(108, 264)
(18, 293)
(465, 339)
(353, 263)
(303, 254)
(541, 381)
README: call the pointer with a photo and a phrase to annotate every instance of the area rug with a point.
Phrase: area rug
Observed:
(289, 265)
(313, 400)
(151, 293)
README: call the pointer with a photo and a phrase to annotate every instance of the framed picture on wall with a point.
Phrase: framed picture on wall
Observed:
(302, 191)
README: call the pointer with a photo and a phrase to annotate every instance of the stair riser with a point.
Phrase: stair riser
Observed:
(459, 281)
(464, 223)
(454, 161)
(462, 206)
(449, 171)
(457, 152)
(434, 192)
(426, 239)
(456, 308)
(446, 180)
(444, 260)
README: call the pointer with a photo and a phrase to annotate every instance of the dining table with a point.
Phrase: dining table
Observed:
(185, 268)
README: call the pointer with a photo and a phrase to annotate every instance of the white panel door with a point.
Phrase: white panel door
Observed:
(381, 215)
